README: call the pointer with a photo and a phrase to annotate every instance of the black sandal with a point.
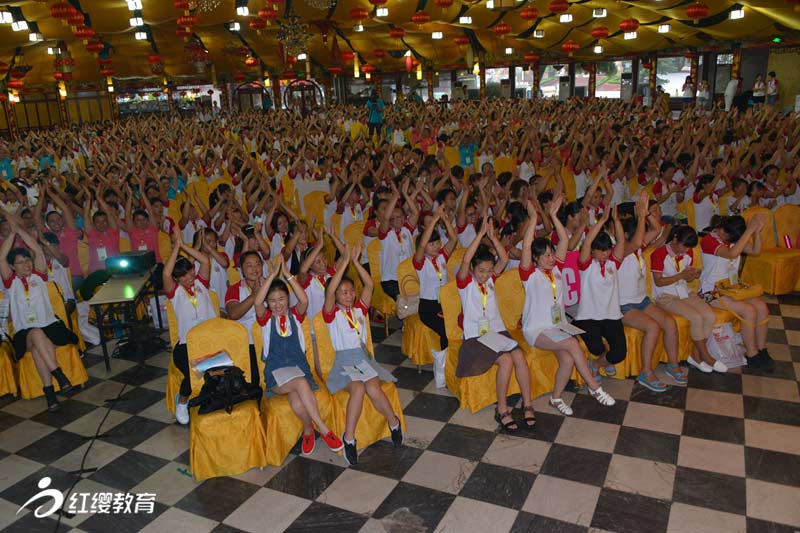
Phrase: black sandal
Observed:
(498, 416)
(530, 421)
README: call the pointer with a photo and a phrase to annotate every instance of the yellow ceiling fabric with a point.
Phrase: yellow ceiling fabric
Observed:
(764, 19)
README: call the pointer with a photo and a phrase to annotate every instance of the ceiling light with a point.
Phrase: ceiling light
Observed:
(736, 14)
(111, 88)
(598, 49)
(51, 51)
(242, 11)
(437, 35)
(19, 25)
(630, 35)
(141, 35)
(136, 21)
(565, 17)
(382, 12)
(35, 37)
(6, 17)
(489, 4)
(358, 27)
(234, 26)
(465, 20)
(13, 98)
(664, 28)
(302, 57)
(509, 51)
(600, 13)
(538, 34)
(133, 5)
(408, 53)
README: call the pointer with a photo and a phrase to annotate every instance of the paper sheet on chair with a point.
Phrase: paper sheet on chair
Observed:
(220, 358)
(496, 342)
(562, 331)
(360, 372)
(286, 374)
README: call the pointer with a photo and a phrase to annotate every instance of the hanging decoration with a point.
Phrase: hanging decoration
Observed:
(697, 11)
(600, 32)
(529, 13)
(420, 17)
(628, 25)
(379, 53)
(570, 47)
(461, 40)
(268, 15)
(532, 58)
(357, 14)
(502, 29)
(558, 6)
(444, 4)
(251, 61)
(95, 47)
(258, 24)
(293, 34)
(397, 33)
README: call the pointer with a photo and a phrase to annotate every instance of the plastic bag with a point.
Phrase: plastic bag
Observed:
(726, 346)
(439, 359)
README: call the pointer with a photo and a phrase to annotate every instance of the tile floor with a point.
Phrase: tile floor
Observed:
(722, 454)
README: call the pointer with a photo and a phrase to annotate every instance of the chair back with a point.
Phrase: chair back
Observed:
(211, 336)
(454, 262)
(325, 350)
(451, 309)
(314, 207)
(83, 256)
(723, 203)
(407, 277)
(504, 164)
(768, 231)
(353, 233)
(510, 298)
(380, 300)
(164, 245)
(124, 244)
(787, 223)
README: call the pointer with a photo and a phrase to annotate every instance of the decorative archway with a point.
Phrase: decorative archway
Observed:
(303, 95)
(248, 93)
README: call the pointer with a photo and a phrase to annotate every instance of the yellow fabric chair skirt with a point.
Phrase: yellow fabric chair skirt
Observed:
(8, 383)
(418, 341)
(174, 379)
(67, 357)
(777, 270)
(371, 426)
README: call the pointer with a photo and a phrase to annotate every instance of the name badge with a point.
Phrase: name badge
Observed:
(102, 255)
(30, 316)
(142, 247)
(555, 314)
(483, 326)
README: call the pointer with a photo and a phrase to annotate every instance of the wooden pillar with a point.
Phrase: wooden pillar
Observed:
(224, 98)
(592, 79)
(634, 76)
(378, 84)
(482, 78)
(736, 67)
(512, 80)
(695, 63)
(170, 100)
(429, 79)
(537, 78)
(328, 86)
(571, 74)
(11, 119)
(276, 91)
(112, 105)
(62, 109)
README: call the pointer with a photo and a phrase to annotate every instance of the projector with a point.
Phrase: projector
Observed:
(131, 262)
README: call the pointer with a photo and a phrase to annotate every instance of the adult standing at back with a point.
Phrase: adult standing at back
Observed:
(773, 88)
(730, 92)
(375, 105)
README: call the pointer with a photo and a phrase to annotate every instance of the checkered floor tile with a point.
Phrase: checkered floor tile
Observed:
(722, 454)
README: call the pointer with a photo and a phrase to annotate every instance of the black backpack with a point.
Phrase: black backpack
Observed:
(224, 387)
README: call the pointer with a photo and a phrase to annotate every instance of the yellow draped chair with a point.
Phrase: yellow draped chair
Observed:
(353, 234)
(723, 203)
(371, 426)
(314, 207)
(473, 392)
(234, 276)
(777, 270)
(83, 256)
(570, 187)
(124, 244)
(454, 261)
(164, 245)
(289, 190)
(453, 157)
(8, 383)
(223, 444)
(382, 304)
(418, 339)
(174, 376)
(282, 425)
(787, 222)
(71, 319)
(504, 164)
(67, 357)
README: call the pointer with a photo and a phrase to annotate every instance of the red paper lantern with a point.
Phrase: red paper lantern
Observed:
(103, 61)
(58, 76)
(377, 3)
(3, 67)
(368, 69)
(85, 33)
(558, 6)
(107, 72)
(397, 33)
(529, 13)
(76, 19)
(95, 47)
(15, 84)
(291, 60)
(153, 59)
(697, 11)
(461, 40)
(239, 76)
(17, 74)
(3, 97)
(61, 10)
(629, 25)
(258, 24)
(181, 4)
(570, 47)
(420, 17)
(187, 20)
(504, 28)
(379, 53)
(600, 32)
(251, 62)
(443, 3)
(348, 56)
(359, 13)
(532, 58)
(335, 70)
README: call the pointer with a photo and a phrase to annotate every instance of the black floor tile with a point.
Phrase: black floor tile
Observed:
(432, 406)
(389, 355)
(674, 396)
(625, 512)
(320, 517)
(462, 441)
(774, 309)
(216, 498)
(378, 332)
(70, 411)
(183, 458)
(7, 420)
(584, 406)
(133, 431)
(30, 524)
(23, 490)
(128, 470)
(713, 427)
(755, 525)
(411, 378)
(791, 323)
(576, 464)
(777, 411)
(528, 523)
(305, 478)
(122, 523)
(499, 485)
(715, 381)
(710, 490)
(225, 528)
(52, 447)
(646, 444)
(782, 370)
(794, 351)
(789, 299)
(91, 359)
(383, 459)
(777, 336)
(546, 429)
(775, 467)
(427, 505)
(137, 400)
(139, 375)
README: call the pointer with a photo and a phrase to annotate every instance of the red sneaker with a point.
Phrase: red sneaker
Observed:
(333, 442)
(309, 442)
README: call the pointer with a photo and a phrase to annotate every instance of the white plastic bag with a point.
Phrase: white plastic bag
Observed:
(90, 333)
(438, 368)
(726, 346)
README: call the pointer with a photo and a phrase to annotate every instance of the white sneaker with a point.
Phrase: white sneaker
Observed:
(720, 367)
(181, 410)
(702, 366)
(602, 397)
(561, 405)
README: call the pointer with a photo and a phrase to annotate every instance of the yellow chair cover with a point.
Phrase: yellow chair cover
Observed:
(787, 223)
(222, 444)
(371, 426)
(314, 207)
(418, 339)
(381, 302)
(124, 244)
(570, 188)
(723, 203)
(282, 425)
(174, 376)
(8, 384)
(288, 190)
(83, 256)
(60, 310)
(504, 164)
(455, 261)
(777, 270)
(234, 276)
(164, 245)
(453, 157)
